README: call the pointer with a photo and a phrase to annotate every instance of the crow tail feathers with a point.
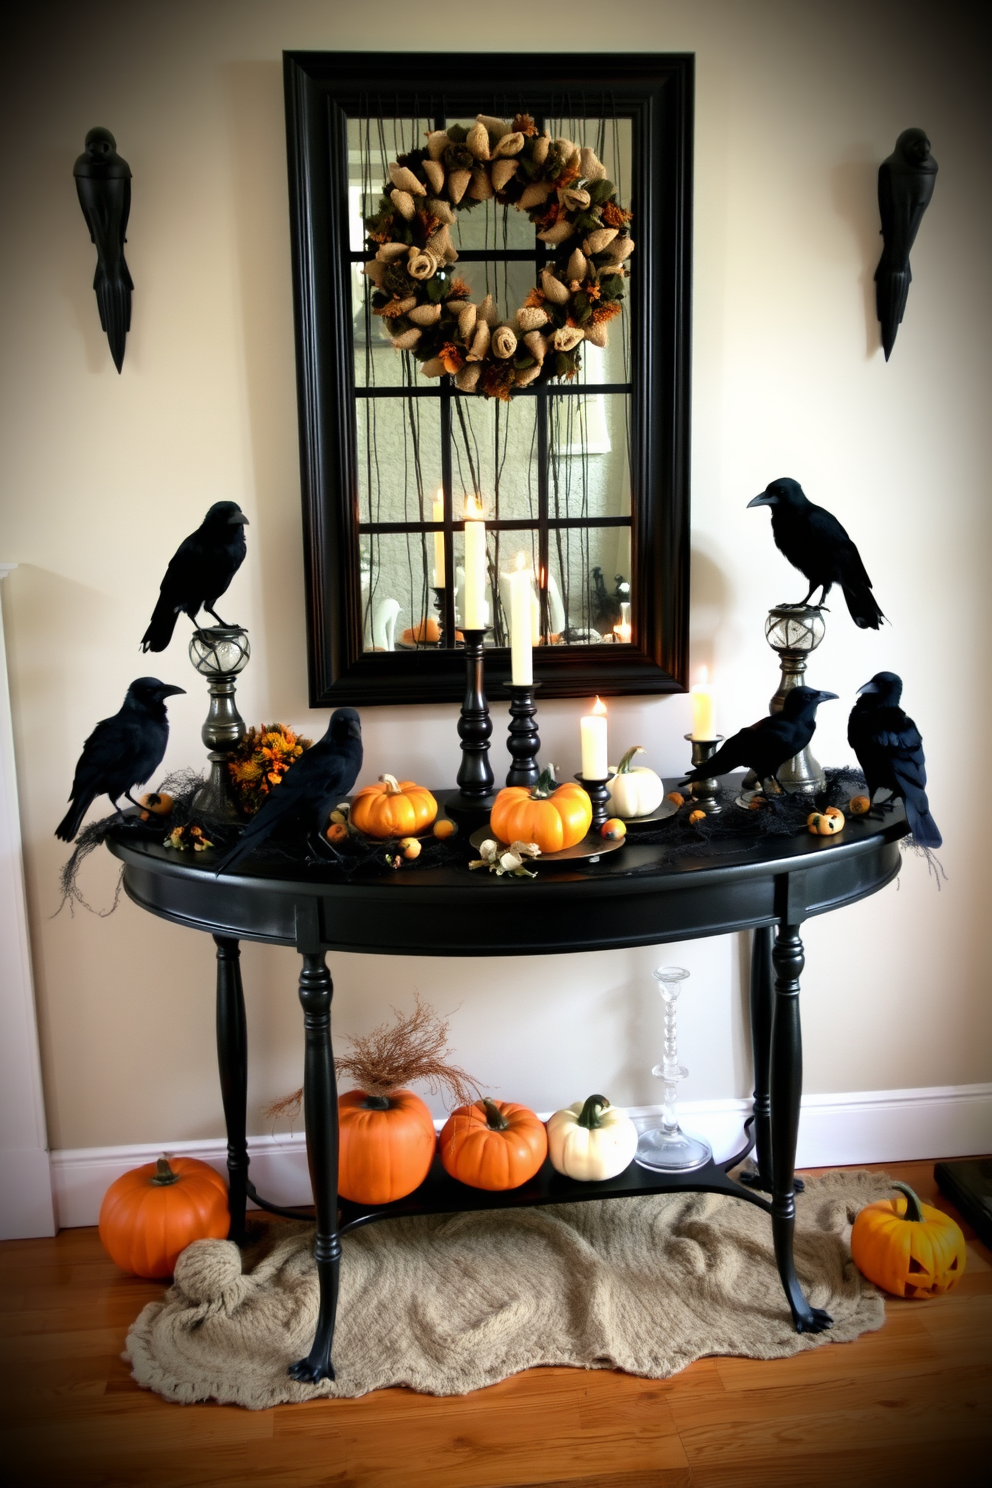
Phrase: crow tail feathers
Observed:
(69, 826)
(863, 606)
(922, 824)
(160, 627)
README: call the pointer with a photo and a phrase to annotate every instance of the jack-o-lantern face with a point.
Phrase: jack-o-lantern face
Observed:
(429, 311)
(908, 1248)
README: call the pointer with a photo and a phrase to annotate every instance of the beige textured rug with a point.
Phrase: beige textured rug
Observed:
(450, 1303)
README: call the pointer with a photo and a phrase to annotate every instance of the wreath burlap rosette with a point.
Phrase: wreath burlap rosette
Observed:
(563, 189)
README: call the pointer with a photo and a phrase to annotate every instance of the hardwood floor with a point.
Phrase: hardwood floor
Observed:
(909, 1404)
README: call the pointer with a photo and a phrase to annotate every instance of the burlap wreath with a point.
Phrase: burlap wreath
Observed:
(563, 189)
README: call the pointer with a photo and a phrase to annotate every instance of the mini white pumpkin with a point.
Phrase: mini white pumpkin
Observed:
(635, 792)
(591, 1140)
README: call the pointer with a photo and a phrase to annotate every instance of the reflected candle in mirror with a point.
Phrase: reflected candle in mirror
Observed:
(474, 605)
(595, 748)
(703, 709)
(521, 643)
(437, 515)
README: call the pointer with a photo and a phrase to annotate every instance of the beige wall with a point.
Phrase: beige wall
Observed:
(102, 475)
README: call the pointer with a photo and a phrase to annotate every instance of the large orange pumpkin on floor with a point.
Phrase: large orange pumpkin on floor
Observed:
(493, 1144)
(908, 1248)
(393, 808)
(150, 1215)
(553, 816)
(387, 1145)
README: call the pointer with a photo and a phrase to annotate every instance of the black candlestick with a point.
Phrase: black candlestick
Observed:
(705, 792)
(438, 594)
(522, 740)
(475, 779)
(598, 794)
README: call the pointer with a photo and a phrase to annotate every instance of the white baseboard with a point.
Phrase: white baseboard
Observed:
(834, 1131)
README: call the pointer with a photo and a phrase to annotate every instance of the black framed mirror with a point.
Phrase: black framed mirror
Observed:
(587, 475)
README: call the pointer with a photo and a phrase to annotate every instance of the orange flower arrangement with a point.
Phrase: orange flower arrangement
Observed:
(261, 760)
(614, 215)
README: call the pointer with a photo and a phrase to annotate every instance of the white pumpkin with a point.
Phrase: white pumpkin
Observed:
(635, 792)
(591, 1141)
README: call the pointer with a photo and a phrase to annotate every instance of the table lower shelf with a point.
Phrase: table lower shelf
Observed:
(441, 1194)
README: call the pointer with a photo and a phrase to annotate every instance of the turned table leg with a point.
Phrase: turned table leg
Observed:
(320, 1110)
(232, 1059)
(786, 1085)
(762, 1002)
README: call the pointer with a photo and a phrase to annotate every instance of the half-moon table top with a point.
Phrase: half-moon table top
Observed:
(640, 895)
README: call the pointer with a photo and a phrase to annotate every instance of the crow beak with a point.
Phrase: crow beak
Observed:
(826, 697)
(763, 500)
(169, 691)
(868, 687)
(239, 521)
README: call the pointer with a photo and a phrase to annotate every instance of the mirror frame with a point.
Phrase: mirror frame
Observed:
(656, 91)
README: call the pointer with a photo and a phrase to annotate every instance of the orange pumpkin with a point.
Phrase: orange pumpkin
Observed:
(393, 808)
(826, 823)
(908, 1248)
(426, 631)
(553, 816)
(859, 805)
(493, 1144)
(337, 832)
(155, 804)
(386, 1145)
(150, 1215)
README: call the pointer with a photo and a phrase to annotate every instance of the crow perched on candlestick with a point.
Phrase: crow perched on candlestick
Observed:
(816, 544)
(200, 572)
(765, 746)
(121, 752)
(310, 788)
(890, 752)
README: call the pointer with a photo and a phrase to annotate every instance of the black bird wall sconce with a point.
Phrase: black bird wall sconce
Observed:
(103, 183)
(905, 185)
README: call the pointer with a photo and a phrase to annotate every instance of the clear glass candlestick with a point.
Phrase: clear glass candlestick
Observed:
(666, 1148)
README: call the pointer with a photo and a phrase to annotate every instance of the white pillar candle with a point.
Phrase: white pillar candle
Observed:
(474, 607)
(703, 709)
(521, 652)
(595, 748)
(437, 515)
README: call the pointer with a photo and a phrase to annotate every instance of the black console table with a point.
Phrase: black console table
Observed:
(630, 897)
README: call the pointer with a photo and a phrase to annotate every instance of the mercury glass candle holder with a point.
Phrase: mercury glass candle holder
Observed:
(667, 1148)
(220, 654)
(794, 632)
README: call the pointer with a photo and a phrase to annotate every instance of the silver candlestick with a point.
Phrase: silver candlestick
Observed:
(220, 654)
(793, 632)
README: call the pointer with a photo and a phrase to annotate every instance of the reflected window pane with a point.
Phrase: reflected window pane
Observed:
(589, 467)
(397, 599)
(588, 582)
(494, 453)
(399, 458)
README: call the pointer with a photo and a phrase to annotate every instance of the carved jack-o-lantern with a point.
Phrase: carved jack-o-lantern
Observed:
(908, 1248)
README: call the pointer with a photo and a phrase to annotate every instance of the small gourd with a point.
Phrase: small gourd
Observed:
(591, 1141)
(410, 848)
(393, 808)
(908, 1248)
(859, 805)
(493, 1144)
(826, 823)
(443, 829)
(677, 798)
(613, 830)
(634, 792)
(425, 632)
(696, 817)
(155, 804)
(554, 816)
(337, 832)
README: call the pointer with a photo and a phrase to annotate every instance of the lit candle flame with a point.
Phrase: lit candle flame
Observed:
(600, 706)
(473, 509)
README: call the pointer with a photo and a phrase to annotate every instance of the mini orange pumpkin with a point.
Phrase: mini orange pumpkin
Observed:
(410, 848)
(386, 1145)
(614, 830)
(150, 1215)
(337, 832)
(155, 804)
(444, 829)
(554, 816)
(908, 1248)
(676, 798)
(697, 816)
(493, 1144)
(393, 808)
(426, 631)
(859, 805)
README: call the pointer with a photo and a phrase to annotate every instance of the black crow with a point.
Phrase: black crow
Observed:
(200, 572)
(121, 752)
(310, 788)
(816, 544)
(905, 185)
(765, 746)
(890, 752)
